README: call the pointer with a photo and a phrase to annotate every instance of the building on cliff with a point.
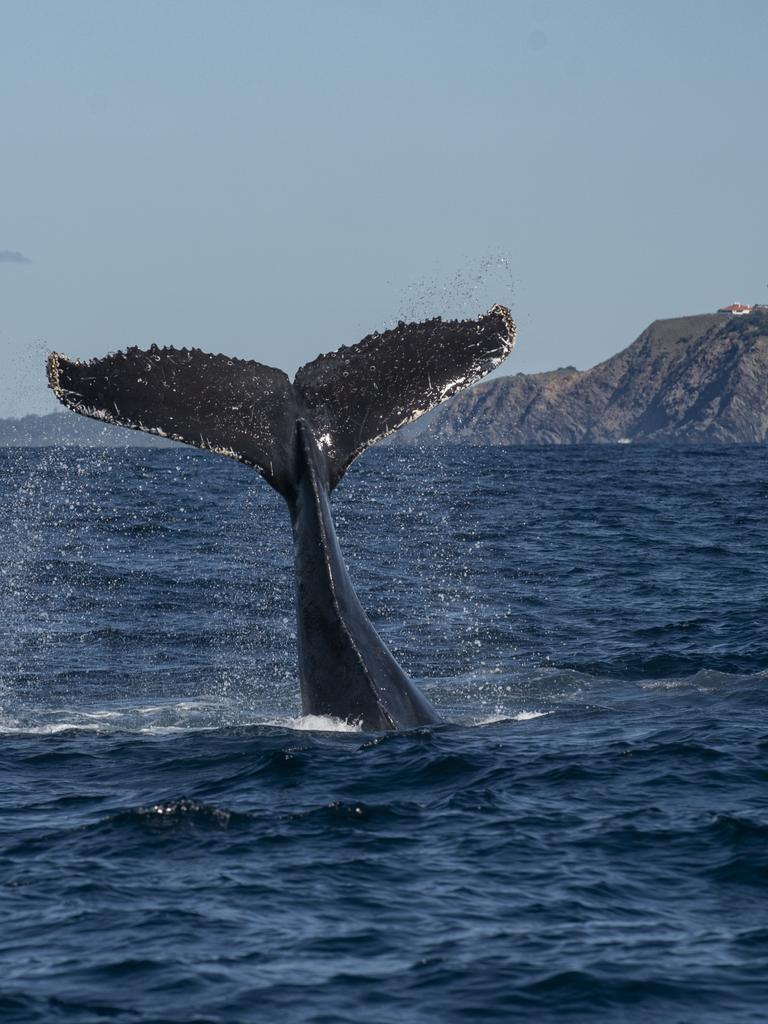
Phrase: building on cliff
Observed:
(736, 309)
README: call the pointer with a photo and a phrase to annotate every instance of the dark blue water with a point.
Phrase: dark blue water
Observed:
(585, 840)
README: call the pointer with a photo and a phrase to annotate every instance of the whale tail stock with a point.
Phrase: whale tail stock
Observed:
(242, 409)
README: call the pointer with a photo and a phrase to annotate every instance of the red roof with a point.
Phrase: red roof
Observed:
(737, 307)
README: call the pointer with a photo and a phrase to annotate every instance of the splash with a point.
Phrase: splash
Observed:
(476, 286)
(318, 723)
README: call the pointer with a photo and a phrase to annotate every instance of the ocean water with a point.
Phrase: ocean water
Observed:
(585, 839)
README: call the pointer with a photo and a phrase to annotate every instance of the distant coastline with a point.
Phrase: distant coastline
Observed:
(66, 428)
(689, 380)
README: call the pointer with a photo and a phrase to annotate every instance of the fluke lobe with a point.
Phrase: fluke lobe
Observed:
(301, 437)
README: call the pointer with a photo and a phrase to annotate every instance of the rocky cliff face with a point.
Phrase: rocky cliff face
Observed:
(698, 379)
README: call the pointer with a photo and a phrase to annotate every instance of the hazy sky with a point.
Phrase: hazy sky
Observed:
(273, 179)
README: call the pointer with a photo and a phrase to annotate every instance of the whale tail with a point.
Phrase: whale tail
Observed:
(248, 411)
(302, 436)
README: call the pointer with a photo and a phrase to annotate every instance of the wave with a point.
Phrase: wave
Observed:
(183, 811)
(499, 717)
(189, 719)
(472, 700)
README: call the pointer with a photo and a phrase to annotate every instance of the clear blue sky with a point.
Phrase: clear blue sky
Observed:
(273, 179)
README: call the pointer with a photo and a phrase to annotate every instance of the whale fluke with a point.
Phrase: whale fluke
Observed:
(358, 395)
(234, 407)
(302, 436)
(248, 411)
